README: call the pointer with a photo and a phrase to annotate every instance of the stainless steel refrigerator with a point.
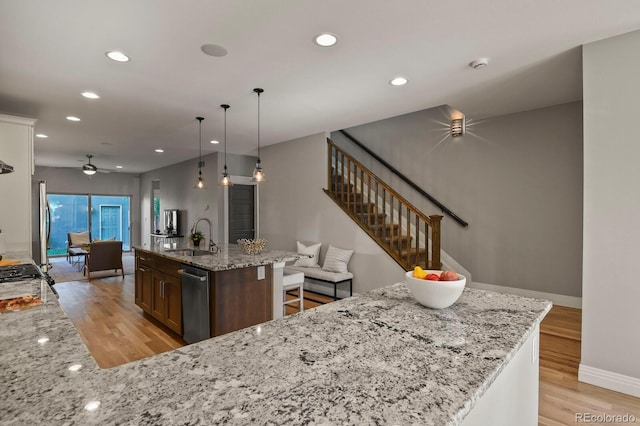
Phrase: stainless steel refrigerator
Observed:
(40, 225)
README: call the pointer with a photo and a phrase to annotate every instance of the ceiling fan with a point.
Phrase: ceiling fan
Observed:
(91, 169)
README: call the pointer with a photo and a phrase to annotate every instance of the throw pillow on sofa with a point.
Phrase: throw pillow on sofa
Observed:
(79, 238)
(337, 259)
(309, 262)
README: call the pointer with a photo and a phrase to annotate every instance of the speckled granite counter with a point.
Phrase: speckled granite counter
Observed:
(230, 256)
(376, 358)
(32, 287)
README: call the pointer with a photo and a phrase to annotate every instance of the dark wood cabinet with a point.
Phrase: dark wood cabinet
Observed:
(158, 290)
(143, 288)
(172, 292)
(240, 300)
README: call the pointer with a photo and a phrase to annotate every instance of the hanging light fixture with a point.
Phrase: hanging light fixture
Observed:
(258, 173)
(89, 169)
(200, 180)
(226, 179)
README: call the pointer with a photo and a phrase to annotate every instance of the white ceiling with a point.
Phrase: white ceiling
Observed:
(51, 51)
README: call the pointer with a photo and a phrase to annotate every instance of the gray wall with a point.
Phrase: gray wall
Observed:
(72, 181)
(293, 206)
(177, 192)
(611, 290)
(517, 180)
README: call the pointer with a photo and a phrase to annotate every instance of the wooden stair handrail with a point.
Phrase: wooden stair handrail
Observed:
(394, 193)
(408, 181)
(404, 246)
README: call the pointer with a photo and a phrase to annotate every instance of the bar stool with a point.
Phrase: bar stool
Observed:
(291, 281)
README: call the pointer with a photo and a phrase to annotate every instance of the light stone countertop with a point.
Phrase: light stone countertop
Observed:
(230, 256)
(375, 358)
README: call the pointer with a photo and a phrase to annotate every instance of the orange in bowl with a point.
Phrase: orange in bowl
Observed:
(435, 294)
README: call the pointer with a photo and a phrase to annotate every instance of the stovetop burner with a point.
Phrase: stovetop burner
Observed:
(19, 272)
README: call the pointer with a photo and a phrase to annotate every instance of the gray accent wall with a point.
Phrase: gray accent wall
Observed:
(517, 180)
(64, 180)
(294, 207)
(611, 288)
(177, 192)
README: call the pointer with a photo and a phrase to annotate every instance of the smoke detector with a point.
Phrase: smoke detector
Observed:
(479, 63)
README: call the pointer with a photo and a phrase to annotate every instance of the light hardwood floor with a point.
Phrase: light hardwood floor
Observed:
(562, 397)
(117, 332)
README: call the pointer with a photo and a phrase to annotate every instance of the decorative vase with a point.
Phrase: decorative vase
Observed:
(196, 243)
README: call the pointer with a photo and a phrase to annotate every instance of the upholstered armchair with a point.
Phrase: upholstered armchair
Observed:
(104, 255)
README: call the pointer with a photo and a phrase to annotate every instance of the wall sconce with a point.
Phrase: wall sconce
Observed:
(458, 127)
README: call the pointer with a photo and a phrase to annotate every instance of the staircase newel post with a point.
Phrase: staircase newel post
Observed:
(436, 219)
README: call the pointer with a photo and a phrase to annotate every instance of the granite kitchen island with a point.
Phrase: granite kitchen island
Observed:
(242, 290)
(375, 358)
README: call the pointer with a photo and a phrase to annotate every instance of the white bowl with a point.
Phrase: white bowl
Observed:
(435, 294)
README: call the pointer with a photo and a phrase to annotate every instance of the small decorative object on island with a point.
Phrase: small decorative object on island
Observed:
(252, 246)
(196, 237)
(435, 289)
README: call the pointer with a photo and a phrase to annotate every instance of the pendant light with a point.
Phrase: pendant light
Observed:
(226, 179)
(89, 169)
(200, 180)
(258, 173)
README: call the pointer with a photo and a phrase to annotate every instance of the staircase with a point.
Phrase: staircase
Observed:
(409, 236)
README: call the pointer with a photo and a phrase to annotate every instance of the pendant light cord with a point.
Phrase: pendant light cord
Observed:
(225, 106)
(259, 127)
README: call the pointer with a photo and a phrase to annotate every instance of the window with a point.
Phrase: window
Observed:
(109, 218)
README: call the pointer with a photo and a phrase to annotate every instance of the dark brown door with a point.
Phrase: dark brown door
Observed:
(241, 212)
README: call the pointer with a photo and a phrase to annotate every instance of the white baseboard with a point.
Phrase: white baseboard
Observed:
(557, 299)
(609, 380)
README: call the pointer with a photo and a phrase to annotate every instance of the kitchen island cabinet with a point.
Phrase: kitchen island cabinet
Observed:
(241, 287)
(158, 290)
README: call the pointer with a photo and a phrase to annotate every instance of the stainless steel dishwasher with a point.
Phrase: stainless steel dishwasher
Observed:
(195, 304)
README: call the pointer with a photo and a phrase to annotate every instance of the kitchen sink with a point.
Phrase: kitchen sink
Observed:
(189, 252)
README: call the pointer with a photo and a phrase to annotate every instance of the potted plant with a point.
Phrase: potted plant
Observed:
(196, 237)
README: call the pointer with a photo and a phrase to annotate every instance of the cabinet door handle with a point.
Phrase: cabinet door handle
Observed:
(143, 269)
(142, 258)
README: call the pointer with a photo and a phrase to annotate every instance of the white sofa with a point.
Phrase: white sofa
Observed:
(333, 272)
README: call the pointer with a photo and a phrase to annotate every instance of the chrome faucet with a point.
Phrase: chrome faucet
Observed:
(212, 245)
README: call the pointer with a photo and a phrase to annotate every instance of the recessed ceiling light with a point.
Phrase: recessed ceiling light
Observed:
(213, 50)
(43, 340)
(75, 367)
(398, 81)
(215, 142)
(118, 167)
(326, 40)
(72, 118)
(41, 135)
(159, 150)
(90, 95)
(117, 56)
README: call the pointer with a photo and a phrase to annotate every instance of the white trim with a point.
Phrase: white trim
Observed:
(557, 299)
(609, 380)
(18, 120)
